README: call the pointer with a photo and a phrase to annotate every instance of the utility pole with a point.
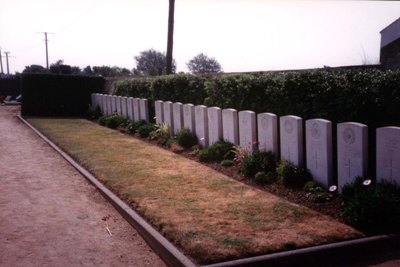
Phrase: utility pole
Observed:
(1, 62)
(47, 51)
(8, 69)
(170, 38)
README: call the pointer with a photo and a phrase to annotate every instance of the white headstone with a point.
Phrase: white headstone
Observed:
(201, 120)
(352, 152)
(168, 116)
(114, 104)
(136, 109)
(124, 106)
(268, 133)
(319, 150)
(291, 132)
(188, 118)
(109, 104)
(129, 104)
(119, 105)
(159, 111)
(388, 154)
(214, 125)
(230, 126)
(247, 130)
(177, 111)
(144, 109)
(104, 104)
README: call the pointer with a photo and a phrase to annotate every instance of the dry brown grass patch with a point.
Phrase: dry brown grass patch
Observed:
(210, 216)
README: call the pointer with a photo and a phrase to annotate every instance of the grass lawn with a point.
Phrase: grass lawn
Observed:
(210, 216)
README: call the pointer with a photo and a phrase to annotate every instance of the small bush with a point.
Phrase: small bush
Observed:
(145, 130)
(133, 126)
(102, 120)
(292, 176)
(310, 186)
(216, 152)
(372, 209)
(114, 120)
(186, 138)
(161, 133)
(94, 112)
(258, 161)
(264, 178)
(227, 163)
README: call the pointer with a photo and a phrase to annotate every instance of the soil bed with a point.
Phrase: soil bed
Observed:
(209, 215)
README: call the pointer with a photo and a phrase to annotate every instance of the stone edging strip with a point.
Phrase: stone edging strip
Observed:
(160, 245)
(335, 253)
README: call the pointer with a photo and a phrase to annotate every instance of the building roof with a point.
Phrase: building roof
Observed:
(391, 33)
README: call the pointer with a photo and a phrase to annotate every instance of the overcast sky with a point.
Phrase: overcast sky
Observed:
(243, 35)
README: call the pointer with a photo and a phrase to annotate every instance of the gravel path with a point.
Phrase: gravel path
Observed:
(50, 215)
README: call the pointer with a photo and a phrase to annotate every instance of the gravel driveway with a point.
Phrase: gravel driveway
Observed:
(50, 215)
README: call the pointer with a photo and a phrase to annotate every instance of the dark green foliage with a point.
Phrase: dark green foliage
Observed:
(369, 96)
(227, 163)
(265, 178)
(372, 209)
(179, 88)
(185, 138)
(292, 176)
(112, 121)
(216, 152)
(10, 85)
(258, 161)
(137, 87)
(94, 113)
(57, 95)
(133, 126)
(145, 130)
(316, 192)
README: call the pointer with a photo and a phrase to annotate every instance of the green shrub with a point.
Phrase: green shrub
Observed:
(145, 130)
(114, 120)
(227, 163)
(161, 133)
(186, 138)
(133, 126)
(265, 178)
(94, 112)
(310, 186)
(372, 209)
(58, 95)
(102, 120)
(292, 176)
(258, 161)
(216, 152)
(136, 87)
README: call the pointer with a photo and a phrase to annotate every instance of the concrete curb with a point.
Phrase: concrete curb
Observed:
(160, 245)
(342, 253)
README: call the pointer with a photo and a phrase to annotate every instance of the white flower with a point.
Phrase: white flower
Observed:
(201, 139)
(367, 182)
(332, 188)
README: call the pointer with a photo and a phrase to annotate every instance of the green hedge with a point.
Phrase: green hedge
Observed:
(369, 96)
(176, 88)
(57, 95)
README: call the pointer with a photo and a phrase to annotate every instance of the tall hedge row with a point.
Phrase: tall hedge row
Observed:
(57, 95)
(368, 96)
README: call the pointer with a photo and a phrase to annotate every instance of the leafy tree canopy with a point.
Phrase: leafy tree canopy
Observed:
(34, 69)
(201, 64)
(152, 63)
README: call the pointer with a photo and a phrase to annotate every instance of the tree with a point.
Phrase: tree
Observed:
(170, 41)
(201, 64)
(152, 63)
(34, 69)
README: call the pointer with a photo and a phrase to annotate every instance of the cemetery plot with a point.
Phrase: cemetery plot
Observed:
(210, 216)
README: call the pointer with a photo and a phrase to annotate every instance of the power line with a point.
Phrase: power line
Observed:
(8, 69)
(47, 50)
(1, 62)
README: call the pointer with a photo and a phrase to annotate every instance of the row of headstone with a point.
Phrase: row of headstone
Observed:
(248, 129)
(134, 109)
